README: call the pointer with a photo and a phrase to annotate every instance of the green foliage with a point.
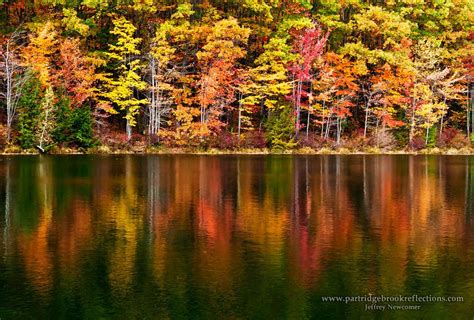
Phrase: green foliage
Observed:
(280, 127)
(29, 113)
(61, 133)
(74, 127)
(81, 127)
(401, 135)
(432, 137)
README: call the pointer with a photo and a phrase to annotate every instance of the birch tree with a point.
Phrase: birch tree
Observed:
(13, 76)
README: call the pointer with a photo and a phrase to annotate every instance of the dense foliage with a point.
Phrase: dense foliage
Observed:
(232, 74)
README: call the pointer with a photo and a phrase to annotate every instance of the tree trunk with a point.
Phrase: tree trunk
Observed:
(412, 121)
(152, 108)
(366, 118)
(240, 116)
(427, 135)
(328, 127)
(377, 131)
(471, 99)
(128, 129)
(309, 110)
(298, 107)
(307, 124)
(412, 125)
(468, 110)
(9, 79)
(322, 118)
(442, 120)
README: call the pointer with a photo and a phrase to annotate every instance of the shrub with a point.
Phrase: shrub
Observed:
(165, 138)
(3, 136)
(356, 142)
(136, 138)
(445, 138)
(384, 139)
(313, 141)
(154, 140)
(417, 143)
(280, 129)
(452, 138)
(225, 140)
(116, 140)
(253, 139)
(459, 141)
(401, 135)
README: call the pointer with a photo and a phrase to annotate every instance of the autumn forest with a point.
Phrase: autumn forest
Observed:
(236, 74)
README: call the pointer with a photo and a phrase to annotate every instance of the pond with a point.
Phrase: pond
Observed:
(236, 237)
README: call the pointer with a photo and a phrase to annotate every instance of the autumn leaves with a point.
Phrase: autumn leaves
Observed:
(186, 74)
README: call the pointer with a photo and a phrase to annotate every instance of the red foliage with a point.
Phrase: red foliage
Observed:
(309, 44)
(451, 137)
(225, 141)
(417, 143)
(254, 139)
(314, 141)
(75, 72)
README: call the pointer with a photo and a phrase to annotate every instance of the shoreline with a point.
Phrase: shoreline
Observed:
(302, 151)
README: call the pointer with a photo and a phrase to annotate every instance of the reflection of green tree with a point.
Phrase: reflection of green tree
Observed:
(78, 183)
(278, 178)
(25, 200)
(470, 187)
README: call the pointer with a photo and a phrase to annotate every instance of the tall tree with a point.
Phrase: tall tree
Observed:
(162, 72)
(13, 75)
(121, 88)
(337, 85)
(38, 57)
(308, 44)
(217, 60)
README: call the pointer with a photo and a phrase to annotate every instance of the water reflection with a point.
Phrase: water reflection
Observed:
(227, 236)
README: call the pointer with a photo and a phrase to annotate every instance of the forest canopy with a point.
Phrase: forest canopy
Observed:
(236, 73)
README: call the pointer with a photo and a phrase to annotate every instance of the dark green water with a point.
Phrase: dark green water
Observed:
(234, 237)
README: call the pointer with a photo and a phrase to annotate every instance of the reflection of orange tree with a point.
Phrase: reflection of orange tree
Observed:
(214, 216)
(63, 238)
(404, 218)
(434, 223)
(73, 234)
(262, 221)
(409, 222)
(386, 204)
(34, 246)
(195, 186)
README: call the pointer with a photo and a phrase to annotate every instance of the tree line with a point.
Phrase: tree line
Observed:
(237, 73)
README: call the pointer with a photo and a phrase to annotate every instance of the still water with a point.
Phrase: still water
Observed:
(234, 237)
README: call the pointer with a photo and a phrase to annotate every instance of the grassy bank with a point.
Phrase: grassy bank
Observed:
(244, 151)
